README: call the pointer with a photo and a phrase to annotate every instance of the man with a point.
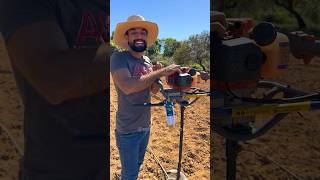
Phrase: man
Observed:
(134, 78)
(58, 51)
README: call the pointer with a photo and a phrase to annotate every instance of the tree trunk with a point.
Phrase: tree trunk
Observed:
(200, 63)
(289, 7)
(300, 21)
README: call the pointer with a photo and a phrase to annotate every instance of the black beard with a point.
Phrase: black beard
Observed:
(139, 48)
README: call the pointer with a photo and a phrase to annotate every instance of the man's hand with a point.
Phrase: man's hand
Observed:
(218, 24)
(167, 71)
(155, 88)
(157, 66)
(185, 69)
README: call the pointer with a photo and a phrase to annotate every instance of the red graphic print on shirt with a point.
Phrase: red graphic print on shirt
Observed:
(140, 70)
(93, 27)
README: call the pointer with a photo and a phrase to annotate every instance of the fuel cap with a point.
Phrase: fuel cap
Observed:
(263, 34)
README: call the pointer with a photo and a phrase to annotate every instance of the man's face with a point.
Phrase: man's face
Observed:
(137, 39)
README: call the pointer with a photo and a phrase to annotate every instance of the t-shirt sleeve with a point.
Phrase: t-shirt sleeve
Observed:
(147, 60)
(117, 61)
(18, 13)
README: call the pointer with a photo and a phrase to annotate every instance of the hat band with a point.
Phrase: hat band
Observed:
(134, 29)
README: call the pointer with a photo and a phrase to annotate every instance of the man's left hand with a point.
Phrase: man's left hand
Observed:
(155, 88)
(157, 66)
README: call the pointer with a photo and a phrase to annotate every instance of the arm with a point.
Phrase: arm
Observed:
(218, 24)
(40, 52)
(129, 84)
(155, 87)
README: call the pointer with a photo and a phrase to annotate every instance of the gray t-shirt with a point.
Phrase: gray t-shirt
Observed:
(131, 118)
(69, 138)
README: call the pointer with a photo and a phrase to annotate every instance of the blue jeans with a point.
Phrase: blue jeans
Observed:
(132, 147)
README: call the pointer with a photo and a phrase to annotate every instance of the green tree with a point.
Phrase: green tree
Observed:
(290, 6)
(113, 47)
(154, 50)
(182, 55)
(199, 45)
(282, 12)
(170, 45)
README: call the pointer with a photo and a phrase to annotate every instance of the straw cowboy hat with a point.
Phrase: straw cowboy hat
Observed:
(135, 21)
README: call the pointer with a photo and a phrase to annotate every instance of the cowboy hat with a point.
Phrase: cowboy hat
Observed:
(135, 21)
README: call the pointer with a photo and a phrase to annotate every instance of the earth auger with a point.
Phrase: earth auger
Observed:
(240, 64)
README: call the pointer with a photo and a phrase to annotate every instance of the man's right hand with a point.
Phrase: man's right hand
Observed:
(219, 24)
(167, 71)
(157, 66)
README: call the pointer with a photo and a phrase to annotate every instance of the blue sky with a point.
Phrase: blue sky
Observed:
(176, 18)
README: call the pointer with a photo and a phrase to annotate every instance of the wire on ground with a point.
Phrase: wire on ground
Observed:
(158, 162)
(274, 162)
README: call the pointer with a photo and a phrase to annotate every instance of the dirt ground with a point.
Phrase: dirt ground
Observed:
(11, 118)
